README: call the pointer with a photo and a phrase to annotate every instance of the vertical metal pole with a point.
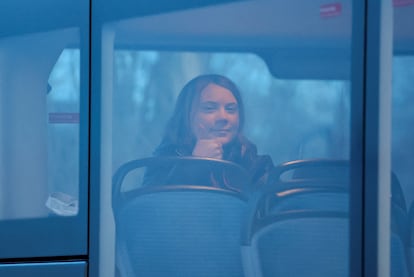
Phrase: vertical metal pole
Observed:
(358, 43)
(378, 137)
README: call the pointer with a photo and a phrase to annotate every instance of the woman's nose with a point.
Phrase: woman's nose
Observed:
(222, 113)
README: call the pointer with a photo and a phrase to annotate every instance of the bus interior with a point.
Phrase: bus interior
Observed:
(87, 88)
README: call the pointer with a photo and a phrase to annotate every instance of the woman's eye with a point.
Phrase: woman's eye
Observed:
(208, 108)
(232, 109)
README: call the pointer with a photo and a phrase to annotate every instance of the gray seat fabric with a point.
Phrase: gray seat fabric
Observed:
(303, 243)
(299, 226)
(183, 232)
(177, 229)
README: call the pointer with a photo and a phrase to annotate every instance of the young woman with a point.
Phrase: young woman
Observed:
(208, 123)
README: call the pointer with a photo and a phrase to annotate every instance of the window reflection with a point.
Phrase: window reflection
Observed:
(402, 136)
(296, 98)
(63, 134)
(289, 119)
(39, 98)
(402, 216)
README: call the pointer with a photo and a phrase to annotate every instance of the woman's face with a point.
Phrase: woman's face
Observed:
(216, 115)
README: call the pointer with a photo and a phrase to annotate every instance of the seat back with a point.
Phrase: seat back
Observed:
(302, 231)
(180, 231)
(325, 172)
(308, 173)
(313, 198)
(298, 226)
(187, 170)
(299, 243)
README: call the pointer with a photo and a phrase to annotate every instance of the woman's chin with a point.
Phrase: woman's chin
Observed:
(225, 139)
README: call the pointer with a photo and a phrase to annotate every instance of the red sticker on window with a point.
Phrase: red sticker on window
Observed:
(63, 117)
(329, 10)
(399, 3)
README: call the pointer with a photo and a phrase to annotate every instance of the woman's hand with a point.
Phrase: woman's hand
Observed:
(208, 148)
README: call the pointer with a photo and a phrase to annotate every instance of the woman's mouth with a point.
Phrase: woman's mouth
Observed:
(221, 132)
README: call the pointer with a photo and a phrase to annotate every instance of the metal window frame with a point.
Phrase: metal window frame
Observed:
(371, 138)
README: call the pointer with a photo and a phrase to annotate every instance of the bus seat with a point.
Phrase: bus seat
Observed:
(180, 170)
(176, 229)
(325, 172)
(180, 231)
(298, 243)
(321, 170)
(317, 198)
(299, 231)
(306, 201)
(305, 241)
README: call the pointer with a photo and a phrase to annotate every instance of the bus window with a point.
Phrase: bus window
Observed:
(63, 101)
(43, 129)
(291, 64)
(402, 211)
(288, 119)
(31, 138)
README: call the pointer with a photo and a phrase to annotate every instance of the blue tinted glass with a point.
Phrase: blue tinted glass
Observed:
(166, 80)
(43, 127)
(402, 208)
(31, 117)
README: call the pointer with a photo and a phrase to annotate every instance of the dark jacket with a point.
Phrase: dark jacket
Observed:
(241, 152)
